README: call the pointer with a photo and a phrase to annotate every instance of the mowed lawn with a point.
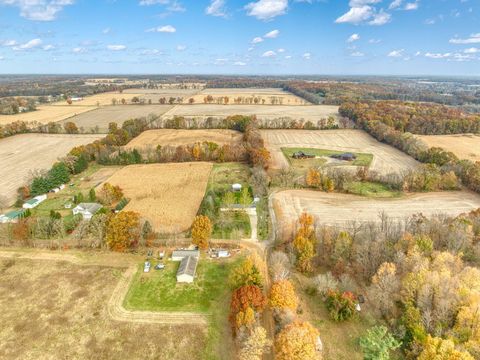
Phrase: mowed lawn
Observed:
(361, 160)
(158, 290)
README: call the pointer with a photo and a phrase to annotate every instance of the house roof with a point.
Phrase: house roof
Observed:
(92, 208)
(184, 253)
(188, 266)
(14, 214)
(32, 201)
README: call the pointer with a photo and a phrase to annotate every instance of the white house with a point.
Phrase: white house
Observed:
(179, 255)
(87, 210)
(187, 269)
(237, 187)
(33, 203)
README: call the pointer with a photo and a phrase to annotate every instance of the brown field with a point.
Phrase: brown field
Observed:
(152, 138)
(386, 159)
(47, 113)
(21, 154)
(285, 97)
(99, 99)
(119, 113)
(465, 146)
(156, 94)
(337, 209)
(272, 112)
(58, 310)
(167, 195)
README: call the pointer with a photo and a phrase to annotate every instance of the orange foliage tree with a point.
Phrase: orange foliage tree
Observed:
(304, 243)
(201, 231)
(297, 341)
(246, 302)
(123, 231)
(110, 194)
(282, 296)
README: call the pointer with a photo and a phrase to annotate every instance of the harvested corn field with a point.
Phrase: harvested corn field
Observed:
(465, 146)
(248, 96)
(99, 119)
(22, 154)
(167, 195)
(47, 113)
(100, 99)
(386, 159)
(339, 209)
(163, 137)
(312, 113)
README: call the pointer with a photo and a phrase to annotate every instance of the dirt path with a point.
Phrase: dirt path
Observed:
(252, 214)
(115, 304)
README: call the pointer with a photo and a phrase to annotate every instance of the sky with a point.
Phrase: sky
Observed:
(264, 37)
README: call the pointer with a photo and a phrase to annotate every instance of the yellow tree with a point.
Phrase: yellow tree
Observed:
(255, 345)
(282, 296)
(123, 231)
(313, 178)
(246, 273)
(297, 341)
(201, 231)
(439, 349)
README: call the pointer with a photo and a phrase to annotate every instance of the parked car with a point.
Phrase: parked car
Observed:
(146, 266)
(159, 267)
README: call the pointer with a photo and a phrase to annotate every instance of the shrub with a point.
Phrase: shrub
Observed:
(341, 306)
(377, 344)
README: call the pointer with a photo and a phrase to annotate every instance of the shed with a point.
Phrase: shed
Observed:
(221, 253)
(345, 156)
(187, 269)
(11, 217)
(87, 210)
(33, 203)
(179, 255)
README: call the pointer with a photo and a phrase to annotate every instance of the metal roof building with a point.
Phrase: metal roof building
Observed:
(187, 269)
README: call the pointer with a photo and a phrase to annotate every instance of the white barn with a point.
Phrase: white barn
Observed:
(87, 210)
(33, 203)
(187, 269)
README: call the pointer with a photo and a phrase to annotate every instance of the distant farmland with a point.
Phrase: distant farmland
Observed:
(47, 113)
(265, 96)
(465, 146)
(119, 113)
(21, 154)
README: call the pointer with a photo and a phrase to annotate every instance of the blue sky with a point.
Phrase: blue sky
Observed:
(398, 37)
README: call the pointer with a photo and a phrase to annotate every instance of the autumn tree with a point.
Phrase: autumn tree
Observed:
(109, 194)
(304, 243)
(440, 349)
(297, 341)
(201, 231)
(246, 273)
(254, 345)
(70, 127)
(282, 296)
(123, 231)
(313, 178)
(246, 302)
(385, 288)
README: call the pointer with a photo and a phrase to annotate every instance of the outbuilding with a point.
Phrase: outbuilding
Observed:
(237, 187)
(11, 217)
(179, 255)
(33, 203)
(87, 210)
(187, 269)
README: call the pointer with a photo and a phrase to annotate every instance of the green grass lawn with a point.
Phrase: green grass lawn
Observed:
(362, 158)
(232, 225)
(224, 175)
(371, 189)
(158, 290)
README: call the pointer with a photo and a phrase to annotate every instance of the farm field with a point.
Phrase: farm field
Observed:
(119, 113)
(163, 137)
(312, 113)
(47, 113)
(465, 146)
(99, 99)
(386, 159)
(265, 94)
(338, 209)
(69, 317)
(22, 154)
(168, 195)
(155, 94)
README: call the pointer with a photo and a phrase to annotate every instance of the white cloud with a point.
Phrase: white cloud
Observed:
(106, 30)
(353, 38)
(272, 34)
(395, 4)
(257, 40)
(288, 57)
(472, 50)
(239, 63)
(473, 39)
(307, 56)
(2, 58)
(163, 29)
(38, 10)
(396, 53)
(381, 18)
(438, 55)
(216, 8)
(8, 43)
(356, 15)
(116, 47)
(151, 52)
(267, 9)
(29, 45)
(269, 53)
(281, 50)
(181, 47)
(418, 53)
(374, 41)
(411, 6)
(48, 47)
(79, 50)
(357, 54)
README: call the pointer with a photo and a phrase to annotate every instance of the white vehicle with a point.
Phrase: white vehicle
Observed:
(146, 266)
